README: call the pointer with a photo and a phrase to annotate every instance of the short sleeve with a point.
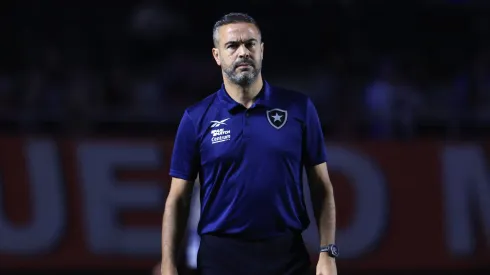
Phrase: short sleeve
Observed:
(314, 151)
(185, 156)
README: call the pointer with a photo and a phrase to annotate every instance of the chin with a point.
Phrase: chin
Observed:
(244, 82)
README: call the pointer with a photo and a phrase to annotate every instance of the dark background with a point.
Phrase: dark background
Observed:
(376, 70)
(89, 66)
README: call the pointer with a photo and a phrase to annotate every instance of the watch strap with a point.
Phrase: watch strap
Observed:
(330, 249)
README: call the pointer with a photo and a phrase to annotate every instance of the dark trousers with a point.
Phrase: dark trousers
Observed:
(283, 255)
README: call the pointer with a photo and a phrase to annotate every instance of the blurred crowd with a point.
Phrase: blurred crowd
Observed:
(382, 70)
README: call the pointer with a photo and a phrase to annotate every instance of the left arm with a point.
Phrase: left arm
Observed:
(315, 160)
(323, 201)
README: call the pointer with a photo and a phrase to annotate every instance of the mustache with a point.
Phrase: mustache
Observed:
(244, 62)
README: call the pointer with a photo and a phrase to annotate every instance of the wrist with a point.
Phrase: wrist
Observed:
(325, 257)
(167, 264)
(330, 250)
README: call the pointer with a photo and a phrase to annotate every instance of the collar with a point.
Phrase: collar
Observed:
(263, 98)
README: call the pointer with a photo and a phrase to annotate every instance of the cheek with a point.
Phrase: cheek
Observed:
(226, 61)
(257, 57)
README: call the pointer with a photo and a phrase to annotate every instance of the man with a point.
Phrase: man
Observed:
(249, 143)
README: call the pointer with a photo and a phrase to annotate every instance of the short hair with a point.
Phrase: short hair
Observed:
(232, 18)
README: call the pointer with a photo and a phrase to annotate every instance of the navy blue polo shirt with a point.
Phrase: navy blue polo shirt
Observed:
(250, 161)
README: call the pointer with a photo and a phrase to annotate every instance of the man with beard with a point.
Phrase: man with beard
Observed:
(249, 143)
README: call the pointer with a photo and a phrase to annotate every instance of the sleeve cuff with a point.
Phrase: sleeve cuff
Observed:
(180, 175)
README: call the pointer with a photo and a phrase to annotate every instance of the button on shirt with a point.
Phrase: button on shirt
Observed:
(250, 161)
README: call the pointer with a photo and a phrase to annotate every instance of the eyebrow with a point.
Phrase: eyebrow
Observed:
(238, 42)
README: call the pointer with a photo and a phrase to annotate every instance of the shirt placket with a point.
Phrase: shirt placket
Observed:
(247, 116)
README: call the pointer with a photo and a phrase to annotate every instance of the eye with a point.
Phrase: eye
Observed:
(250, 44)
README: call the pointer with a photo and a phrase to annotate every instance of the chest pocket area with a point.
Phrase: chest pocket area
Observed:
(285, 141)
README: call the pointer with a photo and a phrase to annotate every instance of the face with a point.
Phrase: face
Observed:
(239, 52)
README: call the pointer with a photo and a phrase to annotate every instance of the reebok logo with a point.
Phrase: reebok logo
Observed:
(216, 123)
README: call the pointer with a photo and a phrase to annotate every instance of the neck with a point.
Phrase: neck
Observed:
(244, 95)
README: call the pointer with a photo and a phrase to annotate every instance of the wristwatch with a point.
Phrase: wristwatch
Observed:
(331, 249)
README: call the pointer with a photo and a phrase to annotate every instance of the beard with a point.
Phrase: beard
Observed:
(242, 76)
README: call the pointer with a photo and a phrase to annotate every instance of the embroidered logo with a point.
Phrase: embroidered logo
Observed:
(277, 117)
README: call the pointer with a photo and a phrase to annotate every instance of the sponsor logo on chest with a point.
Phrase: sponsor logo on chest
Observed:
(220, 135)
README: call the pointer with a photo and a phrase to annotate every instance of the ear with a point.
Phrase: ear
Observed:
(262, 50)
(215, 52)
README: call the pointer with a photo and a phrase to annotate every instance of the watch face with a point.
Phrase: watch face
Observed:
(334, 250)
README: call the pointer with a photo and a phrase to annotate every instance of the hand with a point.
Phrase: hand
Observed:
(326, 265)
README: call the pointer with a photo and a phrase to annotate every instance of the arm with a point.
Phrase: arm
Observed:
(184, 167)
(175, 220)
(315, 158)
(323, 202)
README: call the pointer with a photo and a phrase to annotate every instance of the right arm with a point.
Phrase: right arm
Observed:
(174, 223)
(184, 167)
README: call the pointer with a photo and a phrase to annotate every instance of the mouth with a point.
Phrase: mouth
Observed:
(243, 66)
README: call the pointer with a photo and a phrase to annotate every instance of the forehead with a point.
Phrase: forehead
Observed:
(238, 31)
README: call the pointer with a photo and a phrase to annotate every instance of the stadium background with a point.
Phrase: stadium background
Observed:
(91, 93)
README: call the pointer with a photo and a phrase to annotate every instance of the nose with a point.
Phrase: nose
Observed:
(243, 51)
